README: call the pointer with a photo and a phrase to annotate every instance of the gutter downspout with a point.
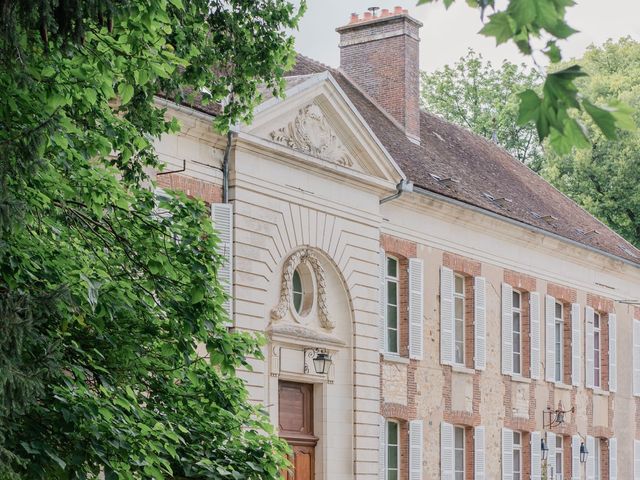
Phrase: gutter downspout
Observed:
(225, 168)
(402, 187)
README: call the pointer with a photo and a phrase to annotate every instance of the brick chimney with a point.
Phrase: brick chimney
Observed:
(379, 52)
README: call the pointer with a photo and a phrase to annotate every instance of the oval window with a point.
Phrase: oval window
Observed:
(302, 289)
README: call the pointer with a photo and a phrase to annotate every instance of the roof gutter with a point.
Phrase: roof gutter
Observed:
(402, 187)
(458, 203)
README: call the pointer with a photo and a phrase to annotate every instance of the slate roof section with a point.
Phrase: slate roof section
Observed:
(484, 175)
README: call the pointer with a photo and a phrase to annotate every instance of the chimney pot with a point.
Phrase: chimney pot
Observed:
(354, 18)
(397, 10)
(385, 12)
(405, 11)
(367, 15)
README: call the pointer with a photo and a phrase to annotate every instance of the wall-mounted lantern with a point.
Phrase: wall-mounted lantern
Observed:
(321, 360)
(544, 449)
(584, 453)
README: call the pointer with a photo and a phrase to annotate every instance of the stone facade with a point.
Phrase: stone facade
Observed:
(294, 196)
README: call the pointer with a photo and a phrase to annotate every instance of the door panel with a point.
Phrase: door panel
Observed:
(295, 412)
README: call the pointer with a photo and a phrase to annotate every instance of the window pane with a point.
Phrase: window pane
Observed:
(392, 433)
(516, 299)
(392, 267)
(516, 438)
(392, 336)
(459, 438)
(392, 293)
(459, 456)
(297, 301)
(459, 284)
(558, 310)
(297, 283)
(596, 320)
(392, 475)
(516, 364)
(392, 316)
(516, 461)
(516, 342)
(459, 307)
(392, 456)
(459, 475)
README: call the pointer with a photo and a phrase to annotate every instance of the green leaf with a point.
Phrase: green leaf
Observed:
(603, 118)
(153, 472)
(501, 26)
(90, 95)
(522, 11)
(177, 3)
(197, 294)
(529, 108)
(125, 91)
(553, 52)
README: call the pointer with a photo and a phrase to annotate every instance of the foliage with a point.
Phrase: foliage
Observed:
(606, 178)
(483, 98)
(107, 305)
(528, 22)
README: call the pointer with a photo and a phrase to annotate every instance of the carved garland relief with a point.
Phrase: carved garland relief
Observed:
(310, 133)
(285, 303)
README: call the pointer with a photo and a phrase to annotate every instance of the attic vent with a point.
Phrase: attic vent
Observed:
(502, 202)
(546, 218)
(627, 250)
(447, 182)
(587, 233)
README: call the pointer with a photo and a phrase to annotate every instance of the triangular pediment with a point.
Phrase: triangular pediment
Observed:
(316, 119)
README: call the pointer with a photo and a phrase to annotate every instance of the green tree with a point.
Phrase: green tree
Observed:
(527, 23)
(104, 301)
(484, 99)
(606, 178)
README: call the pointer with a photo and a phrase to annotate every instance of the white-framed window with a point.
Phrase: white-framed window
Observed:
(559, 458)
(559, 331)
(517, 456)
(597, 460)
(393, 450)
(597, 364)
(516, 313)
(297, 291)
(458, 453)
(391, 326)
(458, 314)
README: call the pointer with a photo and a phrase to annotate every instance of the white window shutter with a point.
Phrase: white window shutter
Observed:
(446, 316)
(507, 454)
(480, 323)
(613, 459)
(613, 353)
(576, 364)
(222, 215)
(446, 451)
(550, 338)
(534, 332)
(382, 331)
(479, 450)
(636, 459)
(575, 457)
(415, 449)
(536, 457)
(507, 329)
(588, 354)
(416, 308)
(591, 463)
(382, 449)
(636, 357)
(551, 454)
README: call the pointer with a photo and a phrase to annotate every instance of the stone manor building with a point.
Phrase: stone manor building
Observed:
(474, 322)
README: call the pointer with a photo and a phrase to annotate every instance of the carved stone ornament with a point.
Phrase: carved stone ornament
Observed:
(310, 133)
(285, 304)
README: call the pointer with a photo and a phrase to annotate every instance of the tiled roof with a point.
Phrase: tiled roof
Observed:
(458, 164)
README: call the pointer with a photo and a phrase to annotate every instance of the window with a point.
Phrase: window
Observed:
(596, 349)
(517, 332)
(559, 453)
(559, 326)
(458, 467)
(597, 460)
(297, 291)
(458, 300)
(392, 305)
(393, 451)
(517, 456)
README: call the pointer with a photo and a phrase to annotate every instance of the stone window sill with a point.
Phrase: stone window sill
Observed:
(462, 369)
(520, 379)
(390, 357)
(598, 391)
(563, 386)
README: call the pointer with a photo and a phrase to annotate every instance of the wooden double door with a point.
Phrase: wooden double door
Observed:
(295, 413)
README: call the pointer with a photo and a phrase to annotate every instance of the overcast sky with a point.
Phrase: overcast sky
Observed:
(446, 35)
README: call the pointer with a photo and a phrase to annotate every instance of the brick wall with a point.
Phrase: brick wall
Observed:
(192, 187)
(380, 54)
